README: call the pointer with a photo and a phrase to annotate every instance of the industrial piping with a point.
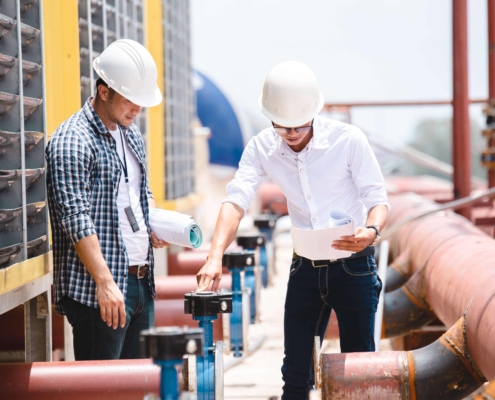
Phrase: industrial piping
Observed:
(441, 371)
(457, 280)
(81, 380)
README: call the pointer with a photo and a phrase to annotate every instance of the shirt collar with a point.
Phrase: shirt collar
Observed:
(318, 141)
(96, 121)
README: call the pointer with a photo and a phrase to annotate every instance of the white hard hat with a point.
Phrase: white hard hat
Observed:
(128, 68)
(290, 95)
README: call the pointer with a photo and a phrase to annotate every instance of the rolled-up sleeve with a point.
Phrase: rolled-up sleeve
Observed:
(248, 178)
(69, 163)
(366, 172)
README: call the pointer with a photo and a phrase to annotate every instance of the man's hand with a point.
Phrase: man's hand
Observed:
(211, 273)
(158, 243)
(362, 239)
(112, 306)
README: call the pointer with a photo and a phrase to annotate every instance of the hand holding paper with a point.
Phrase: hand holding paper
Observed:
(175, 228)
(316, 244)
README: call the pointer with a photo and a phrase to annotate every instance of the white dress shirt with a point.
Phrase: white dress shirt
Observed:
(136, 243)
(336, 169)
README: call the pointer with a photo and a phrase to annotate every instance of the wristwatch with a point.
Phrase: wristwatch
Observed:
(377, 230)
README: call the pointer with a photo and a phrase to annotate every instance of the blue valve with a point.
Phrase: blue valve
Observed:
(251, 278)
(166, 346)
(236, 262)
(205, 307)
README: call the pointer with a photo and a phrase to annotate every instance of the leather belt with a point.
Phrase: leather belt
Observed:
(139, 270)
(368, 251)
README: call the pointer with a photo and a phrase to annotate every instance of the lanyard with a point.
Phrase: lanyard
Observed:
(124, 166)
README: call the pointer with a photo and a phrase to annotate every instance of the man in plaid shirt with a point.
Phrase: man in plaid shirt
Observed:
(99, 201)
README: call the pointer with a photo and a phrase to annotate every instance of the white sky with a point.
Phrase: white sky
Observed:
(360, 50)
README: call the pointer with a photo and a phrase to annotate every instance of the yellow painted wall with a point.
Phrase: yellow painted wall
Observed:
(156, 115)
(61, 47)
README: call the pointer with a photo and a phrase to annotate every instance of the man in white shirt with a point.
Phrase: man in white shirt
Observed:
(319, 164)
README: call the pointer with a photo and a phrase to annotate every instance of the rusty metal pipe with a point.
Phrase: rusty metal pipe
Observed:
(80, 380)
(440, 371)
(461, 149)
(407, 308)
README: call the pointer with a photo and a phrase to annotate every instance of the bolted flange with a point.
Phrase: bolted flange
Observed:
(265, 221)
(171, 342)
(238, 259)
(205, 304)
(251, 241)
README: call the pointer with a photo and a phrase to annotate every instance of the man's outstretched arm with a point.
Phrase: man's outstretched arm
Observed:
(228, 222)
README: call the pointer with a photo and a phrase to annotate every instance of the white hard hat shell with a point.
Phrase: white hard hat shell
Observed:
(128, 68)
(290, 95)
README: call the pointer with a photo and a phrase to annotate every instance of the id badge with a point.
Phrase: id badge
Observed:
(131, 218)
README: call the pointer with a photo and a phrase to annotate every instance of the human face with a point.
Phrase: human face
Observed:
(296, 140)
(116, 109)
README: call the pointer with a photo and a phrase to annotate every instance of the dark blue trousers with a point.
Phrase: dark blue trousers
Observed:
(351, 287)
(94, 340)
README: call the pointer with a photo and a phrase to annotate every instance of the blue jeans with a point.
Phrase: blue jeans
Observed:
(349, 286)
(94, 340)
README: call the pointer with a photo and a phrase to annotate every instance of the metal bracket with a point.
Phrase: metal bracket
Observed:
(246, 320)
(190, 374)
(316, 362)
(219, 348)
(226, 332)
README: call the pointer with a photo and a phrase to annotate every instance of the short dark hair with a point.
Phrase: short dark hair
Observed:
(99, 82)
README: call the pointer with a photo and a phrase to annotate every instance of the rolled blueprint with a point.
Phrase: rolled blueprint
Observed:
(175, 228)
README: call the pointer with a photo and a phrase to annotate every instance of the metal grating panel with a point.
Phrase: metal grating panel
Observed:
(100, 23)
(23, 216)
(179, 109)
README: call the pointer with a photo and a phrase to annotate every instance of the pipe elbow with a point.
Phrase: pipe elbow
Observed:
(407, 308)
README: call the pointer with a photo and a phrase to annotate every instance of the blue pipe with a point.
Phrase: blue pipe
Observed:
(205, 365)
(268, 232)
(250, 282)
(236, 316)
(169, 381)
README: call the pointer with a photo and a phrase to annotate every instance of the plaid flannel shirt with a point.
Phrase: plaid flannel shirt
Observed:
(83, 176)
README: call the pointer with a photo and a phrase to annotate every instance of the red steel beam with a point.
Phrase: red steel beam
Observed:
(491, 73)
(461, 149)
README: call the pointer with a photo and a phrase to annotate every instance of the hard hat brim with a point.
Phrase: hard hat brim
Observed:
(148, 100)
(290, 122)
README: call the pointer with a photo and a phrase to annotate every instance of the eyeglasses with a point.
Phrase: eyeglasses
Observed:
(299, 129)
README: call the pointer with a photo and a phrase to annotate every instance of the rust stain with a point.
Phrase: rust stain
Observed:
(454, 340)
(412, 374)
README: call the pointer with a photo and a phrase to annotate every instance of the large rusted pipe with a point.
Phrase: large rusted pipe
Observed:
(81, 380)
(461, 149)
(440, 371)
(419, 236)
(407, 308)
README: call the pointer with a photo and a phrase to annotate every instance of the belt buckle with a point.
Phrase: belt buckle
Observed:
(138, 272)
(323, 265)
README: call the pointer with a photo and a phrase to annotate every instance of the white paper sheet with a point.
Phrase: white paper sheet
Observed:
(175, 228)
(316, 244)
